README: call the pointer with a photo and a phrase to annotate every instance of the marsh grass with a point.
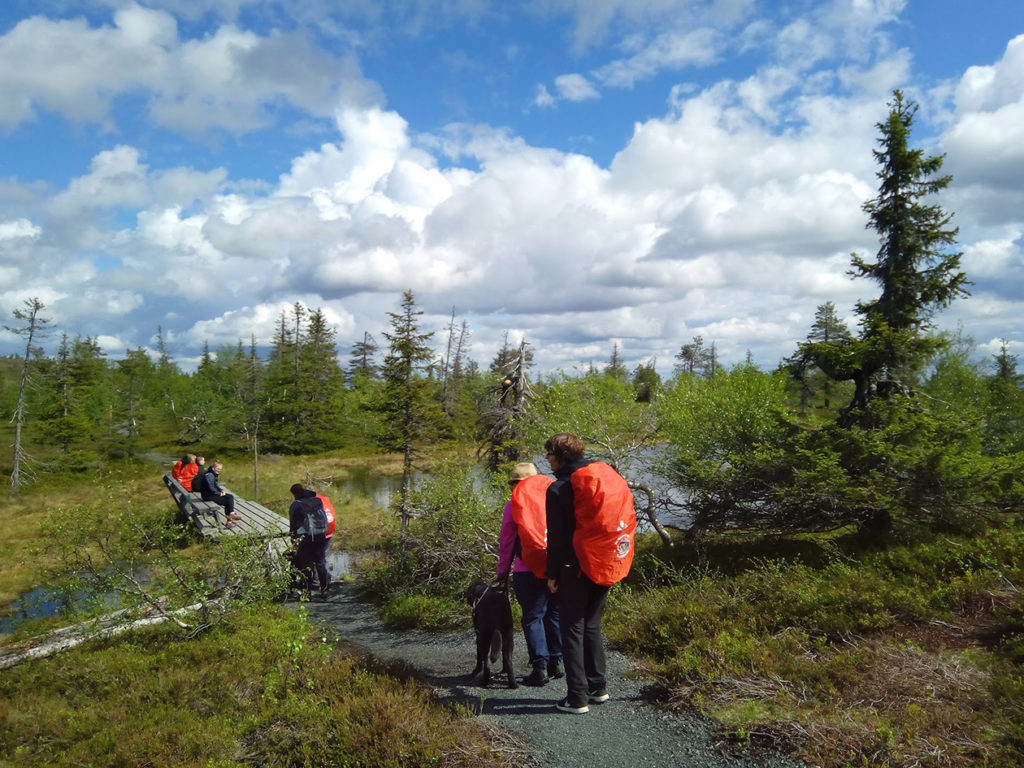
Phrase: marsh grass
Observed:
(25, 560)
(261, 688)
(898, 653)
(264, 690)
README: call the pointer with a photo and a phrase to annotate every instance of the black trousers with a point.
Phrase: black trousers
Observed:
(227, 501)
(581, 604)
(310, 556)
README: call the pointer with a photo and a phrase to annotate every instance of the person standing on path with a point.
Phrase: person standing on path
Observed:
(329, 511)
(591, 522)
(308, 525)
(522, 550)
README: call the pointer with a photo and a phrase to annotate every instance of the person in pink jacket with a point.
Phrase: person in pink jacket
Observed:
(522, 551)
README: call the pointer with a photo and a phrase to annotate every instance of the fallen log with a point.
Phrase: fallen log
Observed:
(65, 638)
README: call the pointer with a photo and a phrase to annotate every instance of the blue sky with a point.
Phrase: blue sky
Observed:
(581, 173)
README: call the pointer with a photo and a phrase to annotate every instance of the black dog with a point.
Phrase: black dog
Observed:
(492, 620)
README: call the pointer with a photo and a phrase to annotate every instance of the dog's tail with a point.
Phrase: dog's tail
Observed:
(495, 646)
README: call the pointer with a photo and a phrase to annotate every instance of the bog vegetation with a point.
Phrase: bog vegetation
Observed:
(835, 551)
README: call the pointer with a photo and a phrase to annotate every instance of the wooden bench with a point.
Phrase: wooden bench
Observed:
(257, 521)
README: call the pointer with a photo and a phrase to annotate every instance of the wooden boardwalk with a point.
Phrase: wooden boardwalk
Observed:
(257, 521)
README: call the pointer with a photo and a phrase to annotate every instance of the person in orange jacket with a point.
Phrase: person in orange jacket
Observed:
(186, 463)
(522, 551)
(591, 522)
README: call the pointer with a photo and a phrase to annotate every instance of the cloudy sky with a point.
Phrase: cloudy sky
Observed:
(583, 173)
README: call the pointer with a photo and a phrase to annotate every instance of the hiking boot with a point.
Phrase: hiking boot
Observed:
(598, 697)
(565, 706)
(555, 669)
(537, 677)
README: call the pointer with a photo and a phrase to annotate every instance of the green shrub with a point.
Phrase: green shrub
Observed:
(451, 542)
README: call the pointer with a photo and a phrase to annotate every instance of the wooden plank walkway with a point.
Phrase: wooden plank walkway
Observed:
(257, 521)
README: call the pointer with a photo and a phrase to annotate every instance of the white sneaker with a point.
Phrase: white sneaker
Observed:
(564, 706)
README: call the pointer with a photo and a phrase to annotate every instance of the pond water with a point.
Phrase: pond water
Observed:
(338, 563)
(42, 602)
(365, 481)
(380, 488)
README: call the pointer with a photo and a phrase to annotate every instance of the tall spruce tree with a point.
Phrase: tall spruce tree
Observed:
(134, 375)
(827, 328)
(916, 272)
(63, 418)
(320, 385)
(409, 412)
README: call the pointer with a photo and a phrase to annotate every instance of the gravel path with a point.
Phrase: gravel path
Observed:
(625, 732)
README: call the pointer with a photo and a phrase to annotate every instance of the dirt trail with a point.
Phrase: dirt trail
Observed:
(626, 732)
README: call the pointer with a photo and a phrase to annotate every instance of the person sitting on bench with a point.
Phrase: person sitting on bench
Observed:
(212, 491)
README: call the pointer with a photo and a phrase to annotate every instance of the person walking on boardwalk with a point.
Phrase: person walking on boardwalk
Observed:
(591, 523)
(522, 551)
(308, 525)
(211, 491)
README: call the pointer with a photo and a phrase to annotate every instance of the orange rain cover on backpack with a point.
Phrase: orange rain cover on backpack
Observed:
(329, 511)
(189, 471)
(529, 513)
(605, 522)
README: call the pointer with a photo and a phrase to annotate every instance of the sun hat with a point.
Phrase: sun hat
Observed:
(521, 471)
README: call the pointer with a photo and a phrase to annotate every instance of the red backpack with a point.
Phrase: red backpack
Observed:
(605, 523)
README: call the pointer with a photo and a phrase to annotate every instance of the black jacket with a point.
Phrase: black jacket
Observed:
(561, 519)
(209, 487)
(297, 514)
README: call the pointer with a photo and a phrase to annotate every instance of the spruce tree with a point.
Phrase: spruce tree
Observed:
(615, 367)
(361, 360)
(917, 273)
(409, 413)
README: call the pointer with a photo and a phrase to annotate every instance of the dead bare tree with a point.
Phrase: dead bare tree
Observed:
(504, 416)
(34, 326)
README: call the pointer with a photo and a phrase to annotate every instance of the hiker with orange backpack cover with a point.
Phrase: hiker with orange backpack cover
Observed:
(591, 523)
(523, 551)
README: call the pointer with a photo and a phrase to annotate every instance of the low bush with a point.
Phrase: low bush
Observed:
(903, 651)
(452, 540)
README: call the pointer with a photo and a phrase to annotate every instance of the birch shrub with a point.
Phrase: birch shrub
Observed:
(451, 542)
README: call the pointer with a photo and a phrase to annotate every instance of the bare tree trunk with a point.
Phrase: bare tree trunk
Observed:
(35, 325)
(107, 626)
(652, 516)
(256, 460)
